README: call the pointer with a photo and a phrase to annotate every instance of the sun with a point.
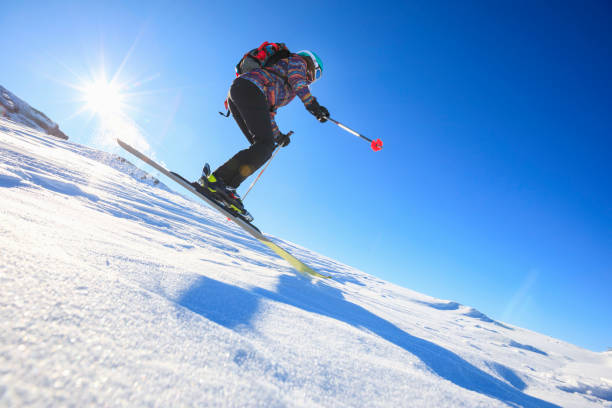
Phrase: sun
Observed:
(103, 97)
(112, 103)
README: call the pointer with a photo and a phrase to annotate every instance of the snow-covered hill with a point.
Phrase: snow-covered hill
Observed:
(116, 291)
(18, 111)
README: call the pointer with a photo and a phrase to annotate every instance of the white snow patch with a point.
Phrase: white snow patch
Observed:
(116, 291)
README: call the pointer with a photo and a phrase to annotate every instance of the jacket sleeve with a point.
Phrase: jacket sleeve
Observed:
(275, 130)
(298, 79)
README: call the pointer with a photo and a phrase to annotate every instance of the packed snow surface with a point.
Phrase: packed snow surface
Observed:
(117, 291)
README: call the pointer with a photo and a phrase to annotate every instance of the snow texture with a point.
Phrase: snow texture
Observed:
(116, 291)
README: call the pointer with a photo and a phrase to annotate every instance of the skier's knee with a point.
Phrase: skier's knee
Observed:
(264, 148)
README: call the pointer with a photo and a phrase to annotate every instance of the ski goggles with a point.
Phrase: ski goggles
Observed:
(317, 68)
(317, 72)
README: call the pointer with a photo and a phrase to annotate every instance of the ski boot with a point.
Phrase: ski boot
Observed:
(225, 195)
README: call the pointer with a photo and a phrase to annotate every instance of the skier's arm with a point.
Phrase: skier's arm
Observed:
(297, 78)
(275, 131)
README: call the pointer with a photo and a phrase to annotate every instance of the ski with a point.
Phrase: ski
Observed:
(245, 225)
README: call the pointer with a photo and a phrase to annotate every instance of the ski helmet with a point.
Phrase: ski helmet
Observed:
(316, 63)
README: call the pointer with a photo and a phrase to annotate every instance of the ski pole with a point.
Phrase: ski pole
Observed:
(376, 145)
(264, 169)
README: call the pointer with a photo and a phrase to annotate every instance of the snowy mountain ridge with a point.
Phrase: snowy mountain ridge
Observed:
(16, 110)
(117, 291)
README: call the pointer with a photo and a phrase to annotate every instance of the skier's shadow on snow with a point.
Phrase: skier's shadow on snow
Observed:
(235, 308)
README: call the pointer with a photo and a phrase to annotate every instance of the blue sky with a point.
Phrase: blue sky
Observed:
(493, 188)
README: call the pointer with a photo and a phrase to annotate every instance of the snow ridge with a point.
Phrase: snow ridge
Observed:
(116, 291)
(18, 111)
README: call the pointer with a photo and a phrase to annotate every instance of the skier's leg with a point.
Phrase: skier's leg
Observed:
(239, 121)
(252, 108)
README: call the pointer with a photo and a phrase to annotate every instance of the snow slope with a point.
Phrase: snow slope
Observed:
(116, 291)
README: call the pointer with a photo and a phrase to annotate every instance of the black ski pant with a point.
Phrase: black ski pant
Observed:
(250, 109)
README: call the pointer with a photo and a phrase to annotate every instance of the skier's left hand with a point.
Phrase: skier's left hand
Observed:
(284, 139)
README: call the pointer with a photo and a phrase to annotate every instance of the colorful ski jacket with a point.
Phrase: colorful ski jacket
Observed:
(281, 82)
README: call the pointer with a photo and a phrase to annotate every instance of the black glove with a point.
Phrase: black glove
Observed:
(320, 112)
(283, 139)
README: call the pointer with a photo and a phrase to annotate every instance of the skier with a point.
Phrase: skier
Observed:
(253, 100)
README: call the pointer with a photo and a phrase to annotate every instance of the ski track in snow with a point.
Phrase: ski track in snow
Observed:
(116, 291)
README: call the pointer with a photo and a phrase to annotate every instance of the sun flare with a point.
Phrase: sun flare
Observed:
(113, 104)
(103, 97)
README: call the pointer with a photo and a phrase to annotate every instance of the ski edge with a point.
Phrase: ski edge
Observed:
(251, 229)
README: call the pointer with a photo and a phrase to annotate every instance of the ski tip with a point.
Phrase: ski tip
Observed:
(123, 144)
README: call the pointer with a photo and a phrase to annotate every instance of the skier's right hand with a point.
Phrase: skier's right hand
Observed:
(319, 112)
